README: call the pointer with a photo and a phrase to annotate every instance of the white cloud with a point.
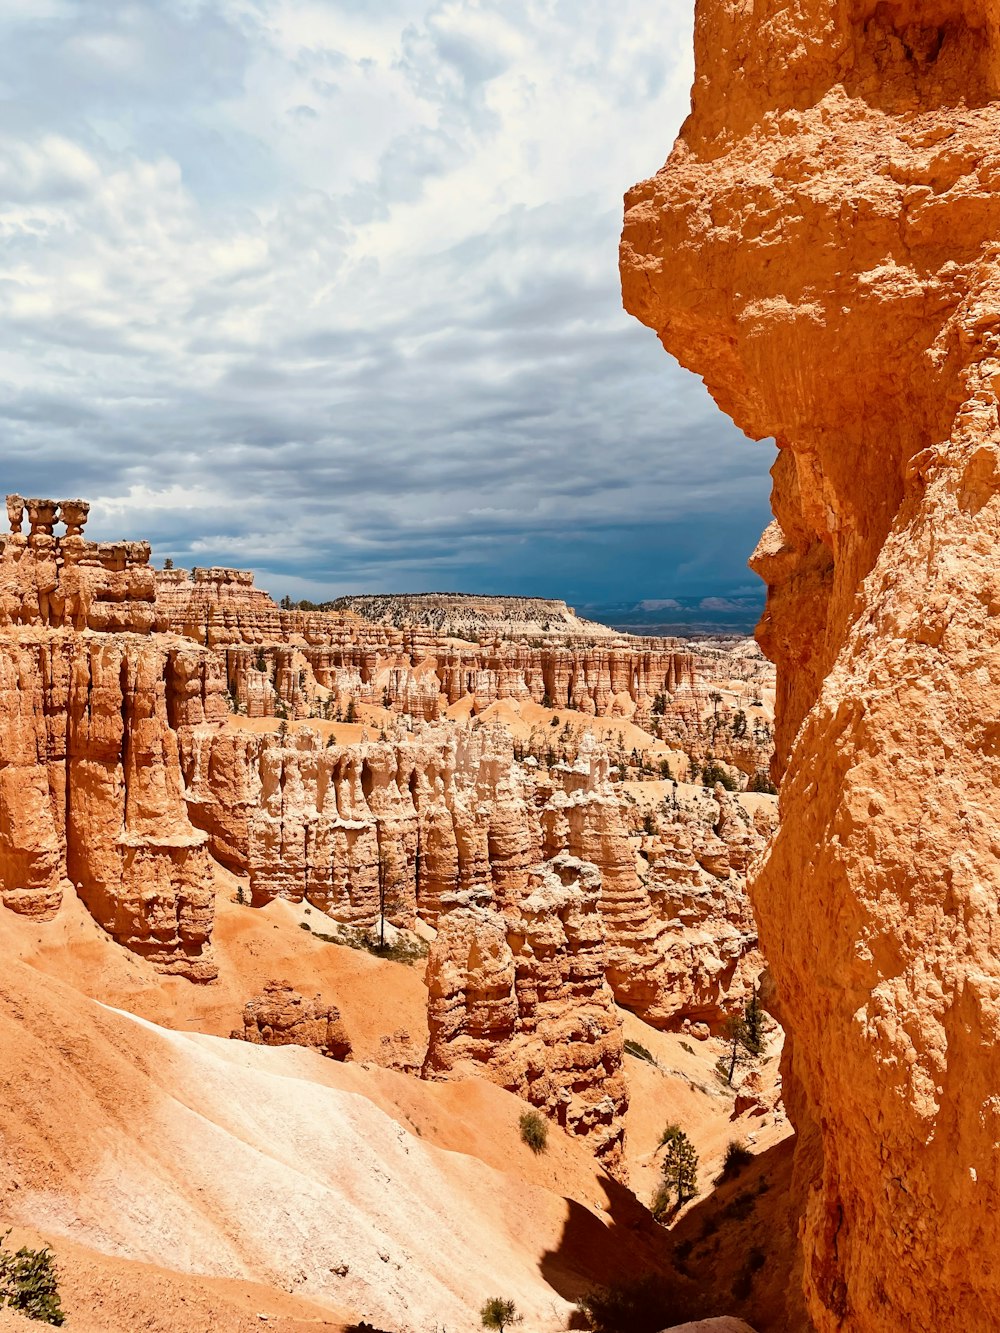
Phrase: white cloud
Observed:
(332, 286)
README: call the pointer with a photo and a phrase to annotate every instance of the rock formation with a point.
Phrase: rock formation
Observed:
(520, 997)
(478, 619)
(279, 1016)
(305, 662)
(90, 787)
(822, 248)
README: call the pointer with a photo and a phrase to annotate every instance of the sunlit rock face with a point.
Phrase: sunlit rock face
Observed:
(821, 246)
(91, 797)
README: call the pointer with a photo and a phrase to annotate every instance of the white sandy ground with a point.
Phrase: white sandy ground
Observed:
(210, 1157)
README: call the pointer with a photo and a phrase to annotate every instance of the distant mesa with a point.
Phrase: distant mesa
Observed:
(470, 616)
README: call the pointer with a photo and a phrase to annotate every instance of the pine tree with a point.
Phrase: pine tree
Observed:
(680, 1164)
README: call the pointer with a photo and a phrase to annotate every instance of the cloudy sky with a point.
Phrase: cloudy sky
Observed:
(328, 289)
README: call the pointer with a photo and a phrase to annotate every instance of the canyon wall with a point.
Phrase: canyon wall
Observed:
(521, 997)
(304, 662)
(91, 798)
(822, 247)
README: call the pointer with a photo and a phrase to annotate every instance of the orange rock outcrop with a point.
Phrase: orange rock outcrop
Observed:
(279, 1016)
(822, 248)
(312, 660)
(520, 997)
(91, 798)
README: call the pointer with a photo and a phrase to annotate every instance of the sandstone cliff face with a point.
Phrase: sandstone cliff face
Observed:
(279, 1016)
(447, 810)
(91, 797)
(426, 815)
(821, 246)
(520, 997)
(681, 939)
(478, 619)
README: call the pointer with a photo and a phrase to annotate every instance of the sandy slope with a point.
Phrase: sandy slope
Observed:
(222, 1160)
(377, 998)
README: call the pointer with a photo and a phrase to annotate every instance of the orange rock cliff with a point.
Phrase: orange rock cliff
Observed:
(821, 246)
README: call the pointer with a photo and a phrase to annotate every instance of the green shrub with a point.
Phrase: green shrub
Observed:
(640, 1052)
(534, 1131)
(497, 1313)
(741, 1207)
(738, 1155)
(643, 1305)
(714, 772)
(663, 1202)
(29, 1282)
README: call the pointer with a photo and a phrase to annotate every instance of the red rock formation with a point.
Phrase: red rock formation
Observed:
(442, 810)
(90, 786)
(313, 660)
(279, 1016)
(520, 997)
(821, 247)
(681, 939)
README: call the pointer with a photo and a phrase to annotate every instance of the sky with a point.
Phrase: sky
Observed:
(328, 289)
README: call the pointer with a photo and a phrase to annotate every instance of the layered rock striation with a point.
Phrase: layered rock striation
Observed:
(303, 663)
(476, 618)
(91, 798)
(520, 996)
(822, 248)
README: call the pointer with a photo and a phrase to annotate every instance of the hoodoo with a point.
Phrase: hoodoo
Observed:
(822, 248)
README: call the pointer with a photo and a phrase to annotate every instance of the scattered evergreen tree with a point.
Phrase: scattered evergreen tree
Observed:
(753, 1022)
(352, 712)
(498, 1313)
(680, 1164)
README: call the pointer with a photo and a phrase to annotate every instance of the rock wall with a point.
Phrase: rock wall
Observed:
(681, 940)
(447, 810)
(520, 997)
(821, 247)
(91, 798)
(477, 619)
(311, 660)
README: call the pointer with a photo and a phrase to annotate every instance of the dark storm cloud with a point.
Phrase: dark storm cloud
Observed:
(330, 290)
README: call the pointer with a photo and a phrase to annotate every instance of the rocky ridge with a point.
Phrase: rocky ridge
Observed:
(821, 247)
(478, 619)
(303, 663)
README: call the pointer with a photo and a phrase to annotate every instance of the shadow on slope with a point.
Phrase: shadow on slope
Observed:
(732, 1253)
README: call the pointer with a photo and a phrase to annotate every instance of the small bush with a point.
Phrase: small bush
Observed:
(644, 1305)
(640, 1052)
(29, 1282)
(534, 1131)
(498, 1313)
(663, 1202)
(738, 1155)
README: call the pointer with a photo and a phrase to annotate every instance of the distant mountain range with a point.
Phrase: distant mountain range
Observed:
(683, 616)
